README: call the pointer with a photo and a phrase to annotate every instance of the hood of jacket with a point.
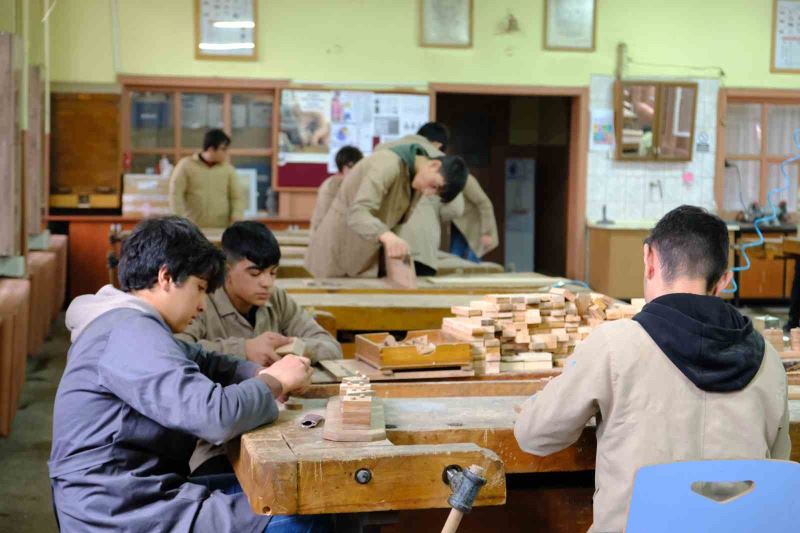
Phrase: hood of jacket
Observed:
(84, 309)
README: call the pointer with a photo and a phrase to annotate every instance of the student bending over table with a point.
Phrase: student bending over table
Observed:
(250, 317)
(687, 379)
(133, 399)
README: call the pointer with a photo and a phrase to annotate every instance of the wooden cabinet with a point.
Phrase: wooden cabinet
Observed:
(767, 278)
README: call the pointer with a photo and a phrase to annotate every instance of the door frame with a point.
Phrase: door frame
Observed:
(578, 150)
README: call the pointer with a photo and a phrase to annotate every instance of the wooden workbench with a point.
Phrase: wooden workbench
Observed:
(435, 414)
(459, 284)
(384, 312)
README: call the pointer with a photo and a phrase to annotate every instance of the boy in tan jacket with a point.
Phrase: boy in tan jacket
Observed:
(687, 379)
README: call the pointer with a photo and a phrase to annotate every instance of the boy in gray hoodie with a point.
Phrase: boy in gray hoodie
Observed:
(133, 400)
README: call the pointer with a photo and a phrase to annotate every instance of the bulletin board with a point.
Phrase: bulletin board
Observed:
(785, 36)
(316, 123)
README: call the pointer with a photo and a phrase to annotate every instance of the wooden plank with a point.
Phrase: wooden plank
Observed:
(403, 477)
(9, 144)
(438, 389)
(351, 367)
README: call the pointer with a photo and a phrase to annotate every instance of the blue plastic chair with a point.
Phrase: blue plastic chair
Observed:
(666, 499)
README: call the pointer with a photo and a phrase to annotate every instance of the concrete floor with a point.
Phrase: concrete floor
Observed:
(25, 504)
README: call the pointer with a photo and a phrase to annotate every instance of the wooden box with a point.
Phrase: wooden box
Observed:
(448, 353)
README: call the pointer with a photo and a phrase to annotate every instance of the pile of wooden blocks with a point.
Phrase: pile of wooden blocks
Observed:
(355, 395)
(516, 332)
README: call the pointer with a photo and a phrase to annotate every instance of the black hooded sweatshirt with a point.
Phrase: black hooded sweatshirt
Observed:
(706, 338)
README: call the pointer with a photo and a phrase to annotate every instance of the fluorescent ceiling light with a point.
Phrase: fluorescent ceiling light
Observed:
(227, 46)
(235, 24)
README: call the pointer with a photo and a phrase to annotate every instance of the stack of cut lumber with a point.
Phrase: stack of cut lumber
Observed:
(528, 332)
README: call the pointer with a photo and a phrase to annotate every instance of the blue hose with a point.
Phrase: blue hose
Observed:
(772, 216)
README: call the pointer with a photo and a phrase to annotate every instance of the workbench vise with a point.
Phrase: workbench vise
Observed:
(465, 485)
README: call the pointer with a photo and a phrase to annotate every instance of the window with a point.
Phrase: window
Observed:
(755, 138)
(169, 117)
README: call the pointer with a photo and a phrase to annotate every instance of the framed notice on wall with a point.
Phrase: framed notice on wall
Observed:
(570, 25)
(445, 23)
(785, 36)
(225, 29)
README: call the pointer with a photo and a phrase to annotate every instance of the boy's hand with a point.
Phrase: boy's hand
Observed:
(261, 349)
(293, 372)
(395, 247)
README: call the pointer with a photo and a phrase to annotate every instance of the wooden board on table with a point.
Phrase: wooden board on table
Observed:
(448, 352)
(293, 267)
(384, 312)
(335, 430)
(447, 264)
(439, 389)
(463, 284)
(285, 468)
(343, 368)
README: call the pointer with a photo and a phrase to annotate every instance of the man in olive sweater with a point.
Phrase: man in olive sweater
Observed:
(204, 187)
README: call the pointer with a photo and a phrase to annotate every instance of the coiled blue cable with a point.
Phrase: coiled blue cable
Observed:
(772, 216)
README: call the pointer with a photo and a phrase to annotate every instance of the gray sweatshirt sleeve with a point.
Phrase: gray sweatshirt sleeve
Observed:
(218, 367)
(149, 370)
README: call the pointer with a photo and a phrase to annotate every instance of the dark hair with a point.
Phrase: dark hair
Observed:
(691, 242)
(175, 243)
(435, 132)
(455, 172)
(215, 138)
(348, 155)
(251, 240)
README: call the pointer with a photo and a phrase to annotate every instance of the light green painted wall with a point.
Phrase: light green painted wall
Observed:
(376, 41)
(7, 15)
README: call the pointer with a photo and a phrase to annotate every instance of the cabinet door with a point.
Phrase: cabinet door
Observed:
(764, 279)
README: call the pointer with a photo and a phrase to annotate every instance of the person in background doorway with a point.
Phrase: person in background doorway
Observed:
(346, 158)
(688, 379)
(423, 229)
(204, 187)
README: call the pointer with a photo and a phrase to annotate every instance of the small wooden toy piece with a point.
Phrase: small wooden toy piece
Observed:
(296, 347)
(774, 336)
(354, 415)
(794, 339)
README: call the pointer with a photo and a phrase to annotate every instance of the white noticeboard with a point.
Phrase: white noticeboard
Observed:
(786, 36)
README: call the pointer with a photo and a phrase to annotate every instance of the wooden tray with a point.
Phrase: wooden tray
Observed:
(449, 352)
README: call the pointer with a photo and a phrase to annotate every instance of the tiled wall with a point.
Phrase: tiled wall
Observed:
(625, 187)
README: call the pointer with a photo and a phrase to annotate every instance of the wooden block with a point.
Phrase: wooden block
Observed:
(485, 306)
(564, 293)
(296, 347)
(533, 316)
(638, 303)
(400, 272)
(583, 301)
(466, 311)
(336, 429)
(531, 357)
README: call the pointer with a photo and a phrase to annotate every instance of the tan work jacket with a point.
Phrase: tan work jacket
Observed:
(649, 412)
(423, 229)
(325, 195)
(478, 218)
(374, 197)
(208, 196)
(220, 328)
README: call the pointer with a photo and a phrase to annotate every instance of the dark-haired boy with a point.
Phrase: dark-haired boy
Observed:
(133, 400)
(346, 158)
(251, 318)
(687, 379)
(204, 187)
(376, 196)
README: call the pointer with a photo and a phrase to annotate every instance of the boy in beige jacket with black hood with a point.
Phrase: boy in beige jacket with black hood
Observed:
(687, 379)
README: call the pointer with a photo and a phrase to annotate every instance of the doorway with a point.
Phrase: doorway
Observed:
(521, 148)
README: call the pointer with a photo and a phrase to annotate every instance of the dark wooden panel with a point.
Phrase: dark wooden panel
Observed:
(84, 143)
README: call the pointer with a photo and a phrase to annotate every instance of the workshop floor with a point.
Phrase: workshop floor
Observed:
(25, 505)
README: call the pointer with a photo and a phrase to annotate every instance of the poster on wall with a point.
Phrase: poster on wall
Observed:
(305, 126)
(786, 36)
(601, 137)
(351, 123)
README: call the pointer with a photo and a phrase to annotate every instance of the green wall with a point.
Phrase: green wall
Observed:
(376, 41)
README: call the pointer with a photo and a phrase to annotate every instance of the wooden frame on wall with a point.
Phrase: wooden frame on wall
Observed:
(561, 46)
(773, 64)
(422, 25)
(198, 22)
